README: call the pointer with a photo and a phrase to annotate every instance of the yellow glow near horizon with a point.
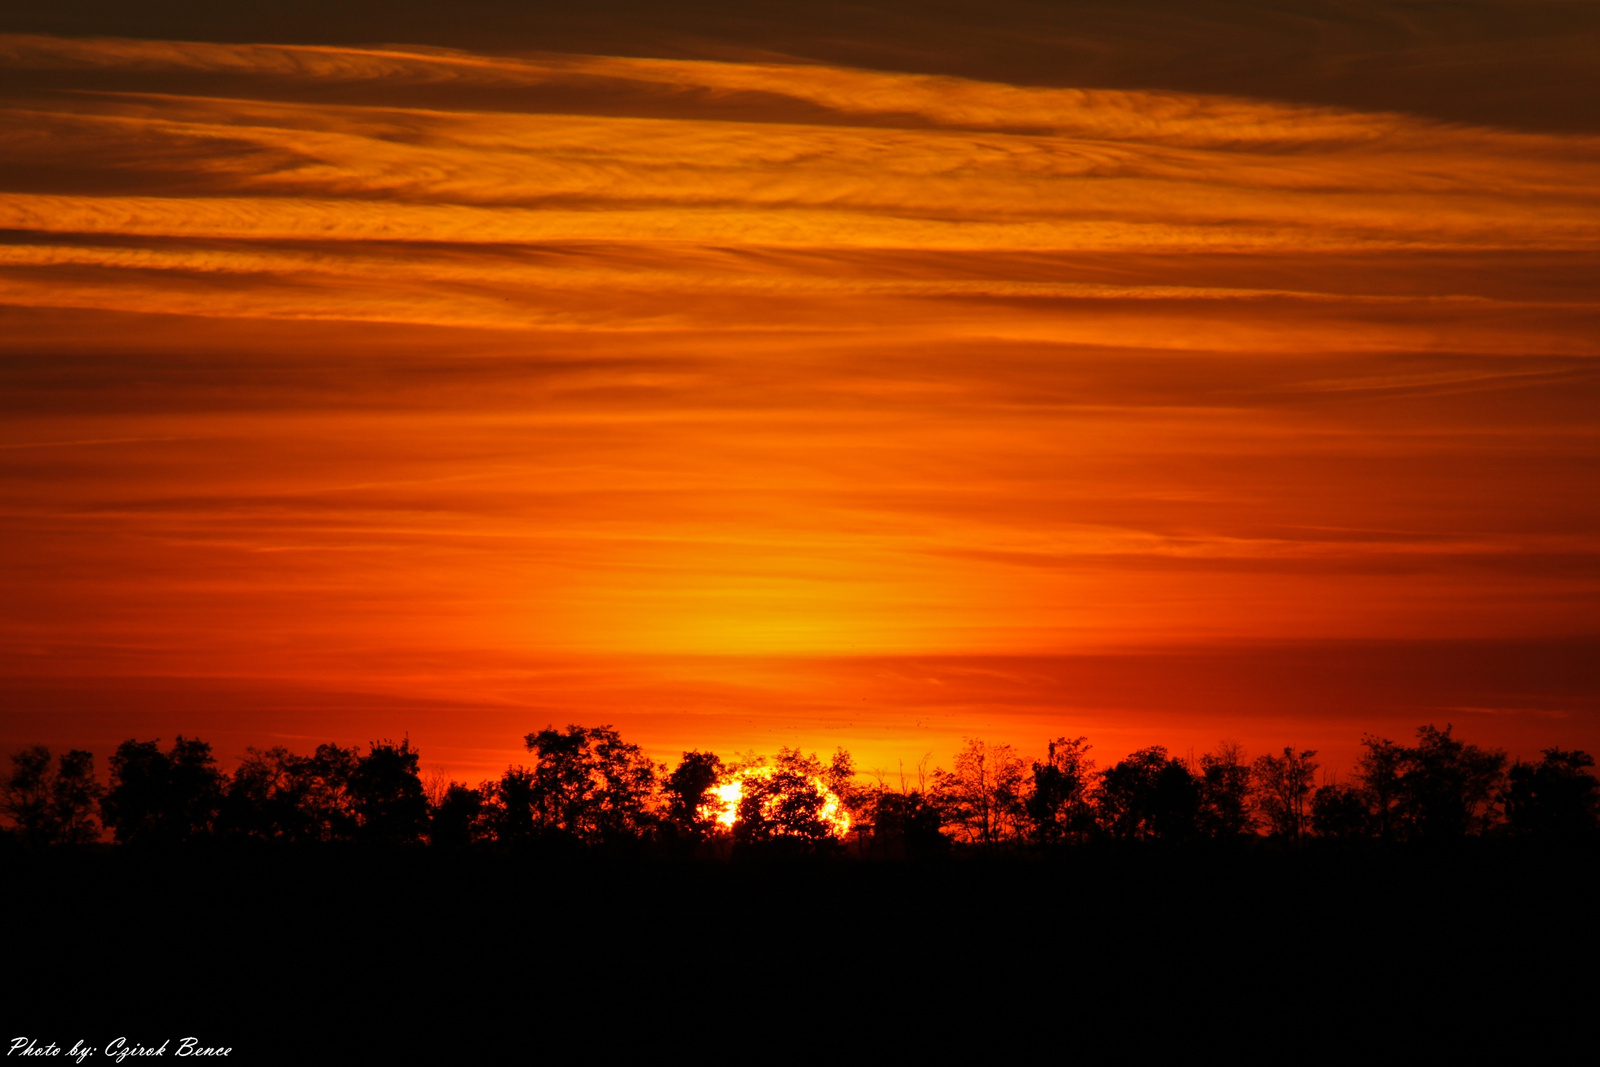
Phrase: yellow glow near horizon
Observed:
(729, 794)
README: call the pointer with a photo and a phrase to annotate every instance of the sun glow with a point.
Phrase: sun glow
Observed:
(729, 795)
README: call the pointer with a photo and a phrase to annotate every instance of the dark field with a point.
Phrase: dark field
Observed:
(425, 956)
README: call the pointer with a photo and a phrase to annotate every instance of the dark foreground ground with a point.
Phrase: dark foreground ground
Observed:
(427, 956)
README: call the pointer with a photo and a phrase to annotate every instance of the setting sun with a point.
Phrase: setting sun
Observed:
(724, 810)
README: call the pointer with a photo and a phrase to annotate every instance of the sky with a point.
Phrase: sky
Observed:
(872, 375)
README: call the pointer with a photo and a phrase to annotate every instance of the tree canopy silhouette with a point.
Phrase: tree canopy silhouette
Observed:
(1339, 811)
(982, 797)
(51, 805)
(1149, 795)
(1059, 808)
(1224, 784)
(386, 794)
(589, 785)
(790, 800)
(907, 825)
(1448, 788)
(1284, 786)
(1556, 797)
(162, 798)
(687, 791)
(1438, 789)
(268, 798)
(457, 819)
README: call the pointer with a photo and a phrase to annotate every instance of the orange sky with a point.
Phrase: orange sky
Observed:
(744, 399)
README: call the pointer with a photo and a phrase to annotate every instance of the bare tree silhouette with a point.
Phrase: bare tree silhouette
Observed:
(982, 798)
(1283, 788)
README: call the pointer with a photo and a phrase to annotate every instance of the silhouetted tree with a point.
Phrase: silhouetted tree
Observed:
(1149, 795)
(908, 826)
(51, 805)
(509, 807)
(1377, 776)
(457, 818)
(1438, 789)
(982, 798)
(1340, 811)
(788, 801)
(1556, 797)
(75, 796)
(1448, 789)
(386, 794)
(1283, 791)
(328, 805)
(277, 795)
(1124, 786)
(590, 785)
(267, 798)
(1225, 801)
(1058, 806)
(162, 797)
(686, 790)
(840, 777)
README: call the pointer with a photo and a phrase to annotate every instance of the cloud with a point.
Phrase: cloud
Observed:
(302, 208)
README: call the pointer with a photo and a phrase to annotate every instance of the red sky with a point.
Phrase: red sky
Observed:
(831, 394)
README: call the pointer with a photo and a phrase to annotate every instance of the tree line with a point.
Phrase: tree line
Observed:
(587, 788)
